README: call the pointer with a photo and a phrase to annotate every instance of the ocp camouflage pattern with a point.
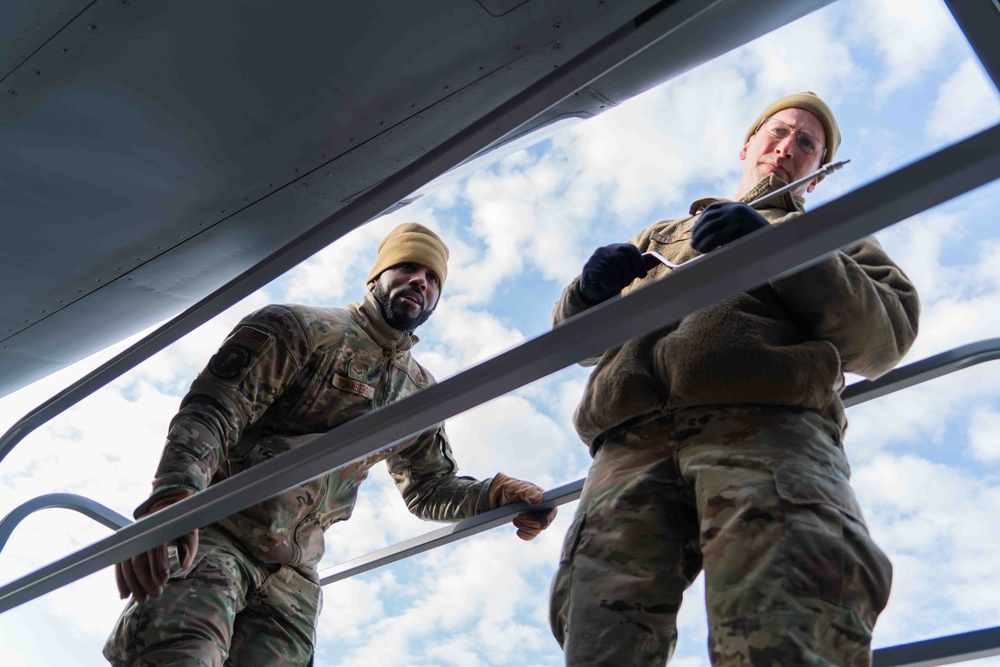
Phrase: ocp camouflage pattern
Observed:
(221, 612)
(309, 371)
(284, 376)
(758, 497)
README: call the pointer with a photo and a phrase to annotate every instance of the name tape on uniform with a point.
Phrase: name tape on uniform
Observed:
(353, 386)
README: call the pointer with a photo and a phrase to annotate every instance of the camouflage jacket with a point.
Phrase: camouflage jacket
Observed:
(786, 343)
(284, 375)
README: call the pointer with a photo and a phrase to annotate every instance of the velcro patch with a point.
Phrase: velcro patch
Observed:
(357, 370)
(229, 361)
(660, 238)
(252, 339)
(353, 386)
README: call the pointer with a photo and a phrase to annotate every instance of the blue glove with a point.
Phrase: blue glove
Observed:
(609, 270)
(723, 222)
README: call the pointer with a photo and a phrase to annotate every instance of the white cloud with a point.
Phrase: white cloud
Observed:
(960, 305)
(450, 607)
(937, 523)
(460, 337)
(780, 66)
(336, 275)
(524, 218)
(647, 152)
(509, 435)
(911, 38)
(917, 245)
(984, 435)
(960, 300)
(966, 103)
(363, 598)
(82, 613)
(988, 268)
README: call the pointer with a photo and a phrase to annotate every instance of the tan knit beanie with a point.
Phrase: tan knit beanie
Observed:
(411, 242)
(813, 104)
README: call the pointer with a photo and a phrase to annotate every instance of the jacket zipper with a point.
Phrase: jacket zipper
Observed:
(386, 367)
(321, 499)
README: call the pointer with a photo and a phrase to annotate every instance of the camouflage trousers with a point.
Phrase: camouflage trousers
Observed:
(227, 609)
(756, 496)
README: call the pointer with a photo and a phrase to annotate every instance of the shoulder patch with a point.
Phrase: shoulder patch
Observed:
(252, 339)
(229, 361)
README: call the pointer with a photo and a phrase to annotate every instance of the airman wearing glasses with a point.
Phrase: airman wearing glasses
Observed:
(717, 440)
(786, 145)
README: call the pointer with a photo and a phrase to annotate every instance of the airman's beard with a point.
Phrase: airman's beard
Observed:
(398, 318)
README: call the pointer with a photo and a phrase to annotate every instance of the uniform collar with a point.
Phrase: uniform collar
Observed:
(786, 202)
(369, 316)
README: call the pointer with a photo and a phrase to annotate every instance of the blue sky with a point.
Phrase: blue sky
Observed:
(903, 83)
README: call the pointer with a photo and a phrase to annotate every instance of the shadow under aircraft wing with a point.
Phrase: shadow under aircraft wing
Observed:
(159, 153)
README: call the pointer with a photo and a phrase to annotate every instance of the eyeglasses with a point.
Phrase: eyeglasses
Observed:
(780, 130)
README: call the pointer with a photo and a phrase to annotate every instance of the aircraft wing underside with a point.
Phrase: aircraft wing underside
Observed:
(155, 152)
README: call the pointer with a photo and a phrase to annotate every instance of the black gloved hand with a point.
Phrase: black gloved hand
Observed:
(610, 269)
(723, 222)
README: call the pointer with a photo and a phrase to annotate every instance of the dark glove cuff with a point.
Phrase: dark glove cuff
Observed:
(583, 297)
(587, 301)
(143, 508)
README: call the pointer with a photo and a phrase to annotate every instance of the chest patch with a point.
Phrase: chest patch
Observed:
(356, 370)
(680, 236)
(353, 386)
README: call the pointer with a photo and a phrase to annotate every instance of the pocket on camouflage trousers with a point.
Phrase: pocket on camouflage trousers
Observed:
(830, 553)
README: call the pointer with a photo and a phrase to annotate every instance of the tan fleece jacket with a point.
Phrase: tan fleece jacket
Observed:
(785, 343)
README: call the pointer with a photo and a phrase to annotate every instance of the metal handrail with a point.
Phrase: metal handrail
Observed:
(927, 653)
(939, 365)
(741, 265)
(438, 538)
(964, 356)
(941, 651)
(979, 22)
(945, 363)
(70, 501)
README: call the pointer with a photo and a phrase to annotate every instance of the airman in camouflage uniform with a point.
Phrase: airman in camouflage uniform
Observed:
(717, 440)
(248, 591)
